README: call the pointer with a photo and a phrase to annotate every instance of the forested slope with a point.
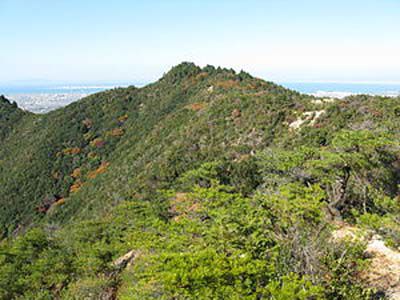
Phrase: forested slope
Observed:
(10, 115)
(216, 185)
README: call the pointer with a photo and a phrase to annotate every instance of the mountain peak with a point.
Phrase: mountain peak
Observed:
(181, 71)
(188, 69)
(5, 102)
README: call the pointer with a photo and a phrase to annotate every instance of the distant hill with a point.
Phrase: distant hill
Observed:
(214, 183)
(10, 115)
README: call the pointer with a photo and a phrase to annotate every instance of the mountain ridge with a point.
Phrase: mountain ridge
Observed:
(183, 75)
(205, 184)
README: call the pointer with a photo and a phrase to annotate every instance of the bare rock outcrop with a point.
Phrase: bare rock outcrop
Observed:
(383, 273)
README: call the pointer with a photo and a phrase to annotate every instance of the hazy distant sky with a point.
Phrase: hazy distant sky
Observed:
(128, 40)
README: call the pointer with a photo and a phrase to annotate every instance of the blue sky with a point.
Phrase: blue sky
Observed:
(121, 40)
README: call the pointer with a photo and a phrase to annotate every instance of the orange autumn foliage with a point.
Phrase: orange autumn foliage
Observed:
(100, 170)
(123, 118)
(98, 143)
(183, 206)
(227, 84)
(75, 187)
(60, 202)
(76, 173)
(201, 76)
(196, 106)
(116, 132)
(71, 151)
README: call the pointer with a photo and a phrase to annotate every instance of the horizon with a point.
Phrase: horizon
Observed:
(133, 41)
(89, 83)
(37, 87)
(50, 95)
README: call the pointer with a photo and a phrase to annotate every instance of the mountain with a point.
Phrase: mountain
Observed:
(207, 184)
(10, 115)
(146, 137)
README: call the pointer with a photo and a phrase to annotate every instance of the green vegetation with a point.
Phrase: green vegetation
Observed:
(10, 115)
(203, 179)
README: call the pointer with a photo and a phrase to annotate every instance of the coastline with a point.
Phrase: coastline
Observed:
(42, 99)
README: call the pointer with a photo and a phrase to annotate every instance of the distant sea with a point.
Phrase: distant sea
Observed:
(341, 90)
(44, 98)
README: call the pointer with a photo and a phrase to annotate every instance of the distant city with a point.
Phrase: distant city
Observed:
(44, 98)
